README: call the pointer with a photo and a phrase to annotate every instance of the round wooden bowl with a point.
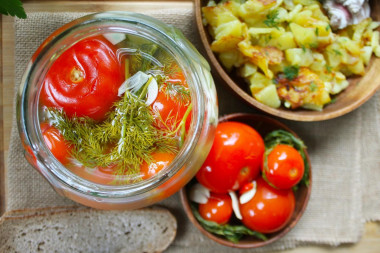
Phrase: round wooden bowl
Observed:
(263, 125)
(359, 91)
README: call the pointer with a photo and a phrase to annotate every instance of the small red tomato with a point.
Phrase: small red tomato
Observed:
(269, 210)
(159, 162)
(235, 158)
(217, 209)
(58, 146)
(84, 80)
(284, 167)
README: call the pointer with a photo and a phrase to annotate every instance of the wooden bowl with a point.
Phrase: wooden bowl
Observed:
(358, 92)
(263, 125)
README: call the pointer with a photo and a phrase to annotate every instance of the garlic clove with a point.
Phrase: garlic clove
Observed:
(134, 83)
(248, 195)
(152, 92)
(235, 204)
(199, 194)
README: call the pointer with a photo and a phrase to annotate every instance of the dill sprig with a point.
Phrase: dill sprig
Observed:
(127, 137)
(271, 20)
(177, 92)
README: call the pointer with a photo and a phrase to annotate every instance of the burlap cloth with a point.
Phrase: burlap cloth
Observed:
(344, 153)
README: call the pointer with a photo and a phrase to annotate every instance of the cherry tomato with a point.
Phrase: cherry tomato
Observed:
(235, 157)
(269, 210)
(58, 146)
(217, 209)
(172, 108)
(159, 162)
(284, 167)
(84, 80)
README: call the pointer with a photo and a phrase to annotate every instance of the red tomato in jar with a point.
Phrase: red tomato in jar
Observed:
(58, 146)
(84, 80)
(217, 209)
(172, 103)
(235, 158)
(283, 167)
(269, 210)
(159, 162)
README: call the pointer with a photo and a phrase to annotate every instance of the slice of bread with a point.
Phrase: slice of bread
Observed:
(87, 230)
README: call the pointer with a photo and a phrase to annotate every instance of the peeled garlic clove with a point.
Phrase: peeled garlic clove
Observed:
(235, 204)
(248, 195)
(199, 194)
(134, 83)
(152, 92)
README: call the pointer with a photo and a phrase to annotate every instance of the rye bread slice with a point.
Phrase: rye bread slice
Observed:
(87, 230)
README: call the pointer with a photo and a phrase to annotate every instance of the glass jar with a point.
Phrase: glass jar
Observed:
(189, 158)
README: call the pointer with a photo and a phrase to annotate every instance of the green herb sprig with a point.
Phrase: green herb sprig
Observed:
(12, 8)
(271, 20)
(127, 137)
(230, 232)
(291, 72)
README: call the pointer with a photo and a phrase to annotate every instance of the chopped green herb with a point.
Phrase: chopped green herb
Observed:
(333, 100)
(314, 45)
(291, 72)
(328, 28)
(303, 48)
(313, 86)
(337, 52)
(328, 68)
(317, 31)
(271, 19)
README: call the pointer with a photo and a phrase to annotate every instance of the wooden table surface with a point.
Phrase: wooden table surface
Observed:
(370, 243)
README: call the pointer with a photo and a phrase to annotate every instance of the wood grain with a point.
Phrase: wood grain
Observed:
(370, 243)
(356, 94)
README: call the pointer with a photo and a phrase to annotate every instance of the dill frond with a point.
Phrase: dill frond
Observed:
(178, 93)
(127, 137)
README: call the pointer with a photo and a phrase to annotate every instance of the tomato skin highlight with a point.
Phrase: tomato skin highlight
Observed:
(235, 158)
(217, 209)
(159, 162)
(284, 167)
(269, 210)
(58, 146)
(84, 80)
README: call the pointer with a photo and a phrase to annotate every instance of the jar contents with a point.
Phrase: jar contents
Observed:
(115, 109)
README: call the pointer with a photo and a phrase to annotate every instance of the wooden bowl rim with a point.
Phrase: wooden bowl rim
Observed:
(299, 115)
(279, 234)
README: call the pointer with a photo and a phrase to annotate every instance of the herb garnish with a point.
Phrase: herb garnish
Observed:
(291, 72)
(313, 86)
(177, 92)
(13, 8)
(126, 138)
(232, 233)
(271, 19)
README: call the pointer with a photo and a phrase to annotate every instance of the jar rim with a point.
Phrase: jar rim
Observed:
(87, 26)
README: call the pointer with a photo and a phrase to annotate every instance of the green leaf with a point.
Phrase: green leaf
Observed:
(13, 8)
(284, 137)
(232, 233)
(291, 72)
